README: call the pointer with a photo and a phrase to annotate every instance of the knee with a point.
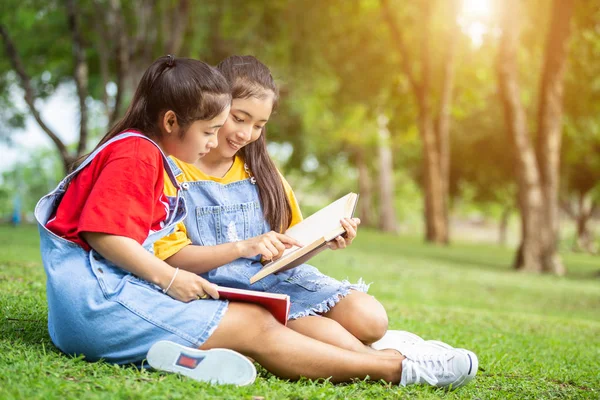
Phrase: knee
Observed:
(372, 321)
(375, 325)
(254, 320)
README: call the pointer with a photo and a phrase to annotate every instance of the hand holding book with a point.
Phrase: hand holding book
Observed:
(277, 304)
(343, 241)
(315, 232)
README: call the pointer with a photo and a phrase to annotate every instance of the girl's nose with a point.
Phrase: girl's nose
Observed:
(213, 143)
(245, 134)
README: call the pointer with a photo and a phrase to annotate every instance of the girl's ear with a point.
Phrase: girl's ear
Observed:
(169, 122)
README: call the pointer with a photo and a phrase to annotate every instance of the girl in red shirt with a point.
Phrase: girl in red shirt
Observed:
(110, 298)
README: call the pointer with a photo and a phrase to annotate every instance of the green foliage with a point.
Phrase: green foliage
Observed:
(337, 69)
(581, 143)
(535, 336)
(40, 33)
(31, 180)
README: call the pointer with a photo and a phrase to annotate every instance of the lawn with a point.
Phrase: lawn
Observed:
(536, 336)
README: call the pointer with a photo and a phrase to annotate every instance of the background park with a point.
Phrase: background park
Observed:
(470, 128)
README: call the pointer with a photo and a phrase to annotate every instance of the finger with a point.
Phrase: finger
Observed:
(210, 290)
(332, 245)
(350, 231)
(288, 240)
(351, 222)
(280, 249)
(265, 252)
(272, 249)
(356, 221)
(340, 242)
(279, 246)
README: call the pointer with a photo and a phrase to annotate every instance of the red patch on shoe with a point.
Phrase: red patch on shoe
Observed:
(188, 362)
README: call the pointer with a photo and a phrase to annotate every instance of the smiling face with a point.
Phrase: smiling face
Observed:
(247, 118)
(197, 140)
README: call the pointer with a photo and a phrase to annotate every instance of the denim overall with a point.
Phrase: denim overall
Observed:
(104, 312)
(223, 213)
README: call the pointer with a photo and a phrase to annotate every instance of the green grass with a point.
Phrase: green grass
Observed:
(536, 336)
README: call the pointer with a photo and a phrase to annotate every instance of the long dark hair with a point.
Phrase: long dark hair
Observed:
(248, 78)
(192, 89)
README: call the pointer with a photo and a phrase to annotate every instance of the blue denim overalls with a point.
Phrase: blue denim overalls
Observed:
(223, 213)
(102, 311)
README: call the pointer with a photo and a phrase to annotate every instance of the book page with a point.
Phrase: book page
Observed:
(322, 223)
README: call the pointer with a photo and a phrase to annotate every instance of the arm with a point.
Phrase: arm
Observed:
(131, 256)
(200, 259)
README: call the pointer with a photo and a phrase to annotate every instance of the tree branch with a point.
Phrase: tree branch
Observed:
(593, 208)
(398, 40)
(81, 75)
(567, 208)
(17, 64)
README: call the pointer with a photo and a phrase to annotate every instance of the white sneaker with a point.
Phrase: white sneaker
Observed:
(397, 340)
(405, 342)
(445, 369)
(222, 366)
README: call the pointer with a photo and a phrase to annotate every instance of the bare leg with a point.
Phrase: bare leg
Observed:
(327, 330)
(361, 315)
(252, 331)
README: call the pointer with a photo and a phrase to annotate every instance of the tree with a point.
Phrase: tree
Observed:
(580, 172)
(104, 49)
(436, 152)
(537, 171)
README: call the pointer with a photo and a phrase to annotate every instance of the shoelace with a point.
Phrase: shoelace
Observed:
(425, 367)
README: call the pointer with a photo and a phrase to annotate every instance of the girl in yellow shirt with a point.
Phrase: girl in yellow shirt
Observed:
(239, 205)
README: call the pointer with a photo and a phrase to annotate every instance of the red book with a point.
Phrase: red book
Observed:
(276, 303)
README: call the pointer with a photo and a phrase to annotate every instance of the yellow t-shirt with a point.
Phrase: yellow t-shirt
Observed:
(171, 244)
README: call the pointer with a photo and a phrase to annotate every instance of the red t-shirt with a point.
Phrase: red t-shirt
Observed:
(120, 193)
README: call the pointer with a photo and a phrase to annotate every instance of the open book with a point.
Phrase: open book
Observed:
(314, 232)
(276, 303)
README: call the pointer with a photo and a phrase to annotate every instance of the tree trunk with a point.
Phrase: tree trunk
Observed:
(387, 216)
(503, 226)
(25, 80)
(550, 130)
(443, 125)
(436, 213)
(528, 180)
(435, 227)
(585, 239)
(365, 188)
(122, 52)
(80, 74)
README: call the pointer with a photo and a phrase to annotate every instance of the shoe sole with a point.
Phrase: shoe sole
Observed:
(221, 366)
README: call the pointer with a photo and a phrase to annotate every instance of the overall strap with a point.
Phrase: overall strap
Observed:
(122, 136)
(174, 167)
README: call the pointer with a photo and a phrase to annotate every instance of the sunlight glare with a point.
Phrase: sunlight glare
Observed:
(476, 9)
(475, 18)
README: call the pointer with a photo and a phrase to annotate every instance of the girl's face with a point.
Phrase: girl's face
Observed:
(199, 138)
(247, 118)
